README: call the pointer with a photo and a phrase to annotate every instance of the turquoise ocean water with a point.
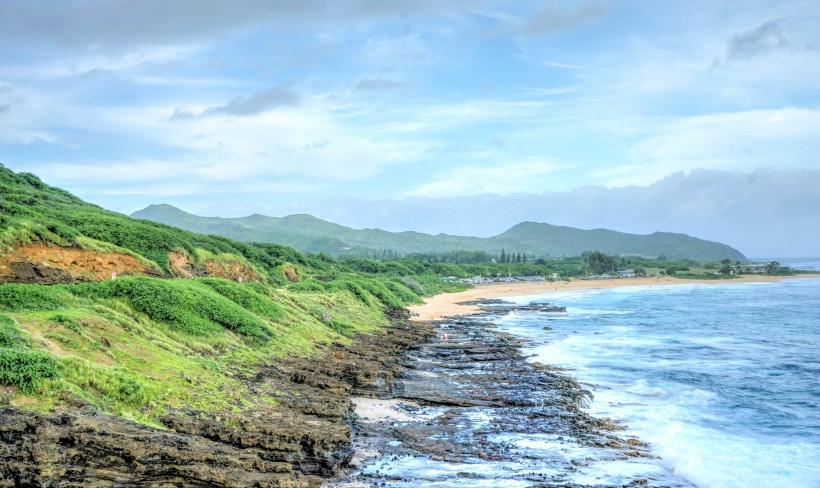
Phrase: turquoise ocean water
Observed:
(722, 380)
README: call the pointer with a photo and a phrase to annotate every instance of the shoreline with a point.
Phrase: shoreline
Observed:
(450, 304)
(474, 409)
(455, 395)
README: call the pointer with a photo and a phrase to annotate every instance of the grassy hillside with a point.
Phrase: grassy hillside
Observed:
(184, 317)
(310, 234)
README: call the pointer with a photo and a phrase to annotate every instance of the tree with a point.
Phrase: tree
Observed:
(598, 262)
(727, 266)
(773, 267)
(503, 258)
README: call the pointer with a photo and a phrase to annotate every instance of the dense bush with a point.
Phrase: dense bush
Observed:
(354, 287)
(432, 285)
(381, 292)
(245, 296)
(21, 298)
(402, 291)
(184, 305)
(24, 369)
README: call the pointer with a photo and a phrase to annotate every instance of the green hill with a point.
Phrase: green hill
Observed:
(310, 234)
(120, 313)
(567, 241)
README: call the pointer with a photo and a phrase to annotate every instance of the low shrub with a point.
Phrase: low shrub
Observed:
(67, 321)
(10, 336)
(309, 285)
(24, 369)
(412, 284)
(355, 288)
(381, 292)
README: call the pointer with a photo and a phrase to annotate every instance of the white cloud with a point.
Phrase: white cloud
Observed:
(119, 172)
(436, 117)
(78, 64)
(778, 139)
(305, 142)
(472, 180)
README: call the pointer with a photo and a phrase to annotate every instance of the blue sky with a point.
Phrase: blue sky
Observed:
(347, 109)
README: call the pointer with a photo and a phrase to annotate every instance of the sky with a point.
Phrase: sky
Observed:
(464, 117)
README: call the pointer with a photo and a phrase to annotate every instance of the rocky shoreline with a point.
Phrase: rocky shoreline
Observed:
(300, 441)
(461, 402)
(454, 386)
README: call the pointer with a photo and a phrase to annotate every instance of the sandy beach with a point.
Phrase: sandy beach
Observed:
(447, 304)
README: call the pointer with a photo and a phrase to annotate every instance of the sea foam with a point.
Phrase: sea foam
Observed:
(721, 380)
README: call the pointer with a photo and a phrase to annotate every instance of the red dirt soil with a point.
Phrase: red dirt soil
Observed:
(54, 264)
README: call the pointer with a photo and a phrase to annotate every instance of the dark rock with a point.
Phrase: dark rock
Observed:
(305, 438)
(25, 272)
(481, 373)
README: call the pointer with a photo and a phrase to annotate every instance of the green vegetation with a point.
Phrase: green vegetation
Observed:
(527, 239)
(10, 336)
(20, 298)
(184, 305)
(32, 212)
(24, 369)
(128, 345)
(20, 366)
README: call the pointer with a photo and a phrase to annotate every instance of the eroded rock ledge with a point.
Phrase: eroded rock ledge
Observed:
(304, 438)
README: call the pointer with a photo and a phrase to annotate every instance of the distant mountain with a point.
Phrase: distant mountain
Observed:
(568, 240)
(310, 234)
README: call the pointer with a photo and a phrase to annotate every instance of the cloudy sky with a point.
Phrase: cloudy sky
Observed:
(464, 116)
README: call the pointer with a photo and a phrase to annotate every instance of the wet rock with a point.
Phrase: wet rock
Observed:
(498, 306)
(478, 389)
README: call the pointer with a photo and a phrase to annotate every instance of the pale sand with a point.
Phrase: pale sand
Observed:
(446, 304)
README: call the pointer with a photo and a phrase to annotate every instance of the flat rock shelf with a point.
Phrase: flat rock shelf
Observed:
(470, 410)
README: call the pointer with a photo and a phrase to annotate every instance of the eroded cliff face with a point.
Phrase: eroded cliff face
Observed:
(48, 265)
(182, 267)
(303, 436)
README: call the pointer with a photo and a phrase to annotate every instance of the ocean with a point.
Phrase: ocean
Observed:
(723, 381)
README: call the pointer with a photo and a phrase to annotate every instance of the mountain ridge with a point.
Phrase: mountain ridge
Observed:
(308, 233)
